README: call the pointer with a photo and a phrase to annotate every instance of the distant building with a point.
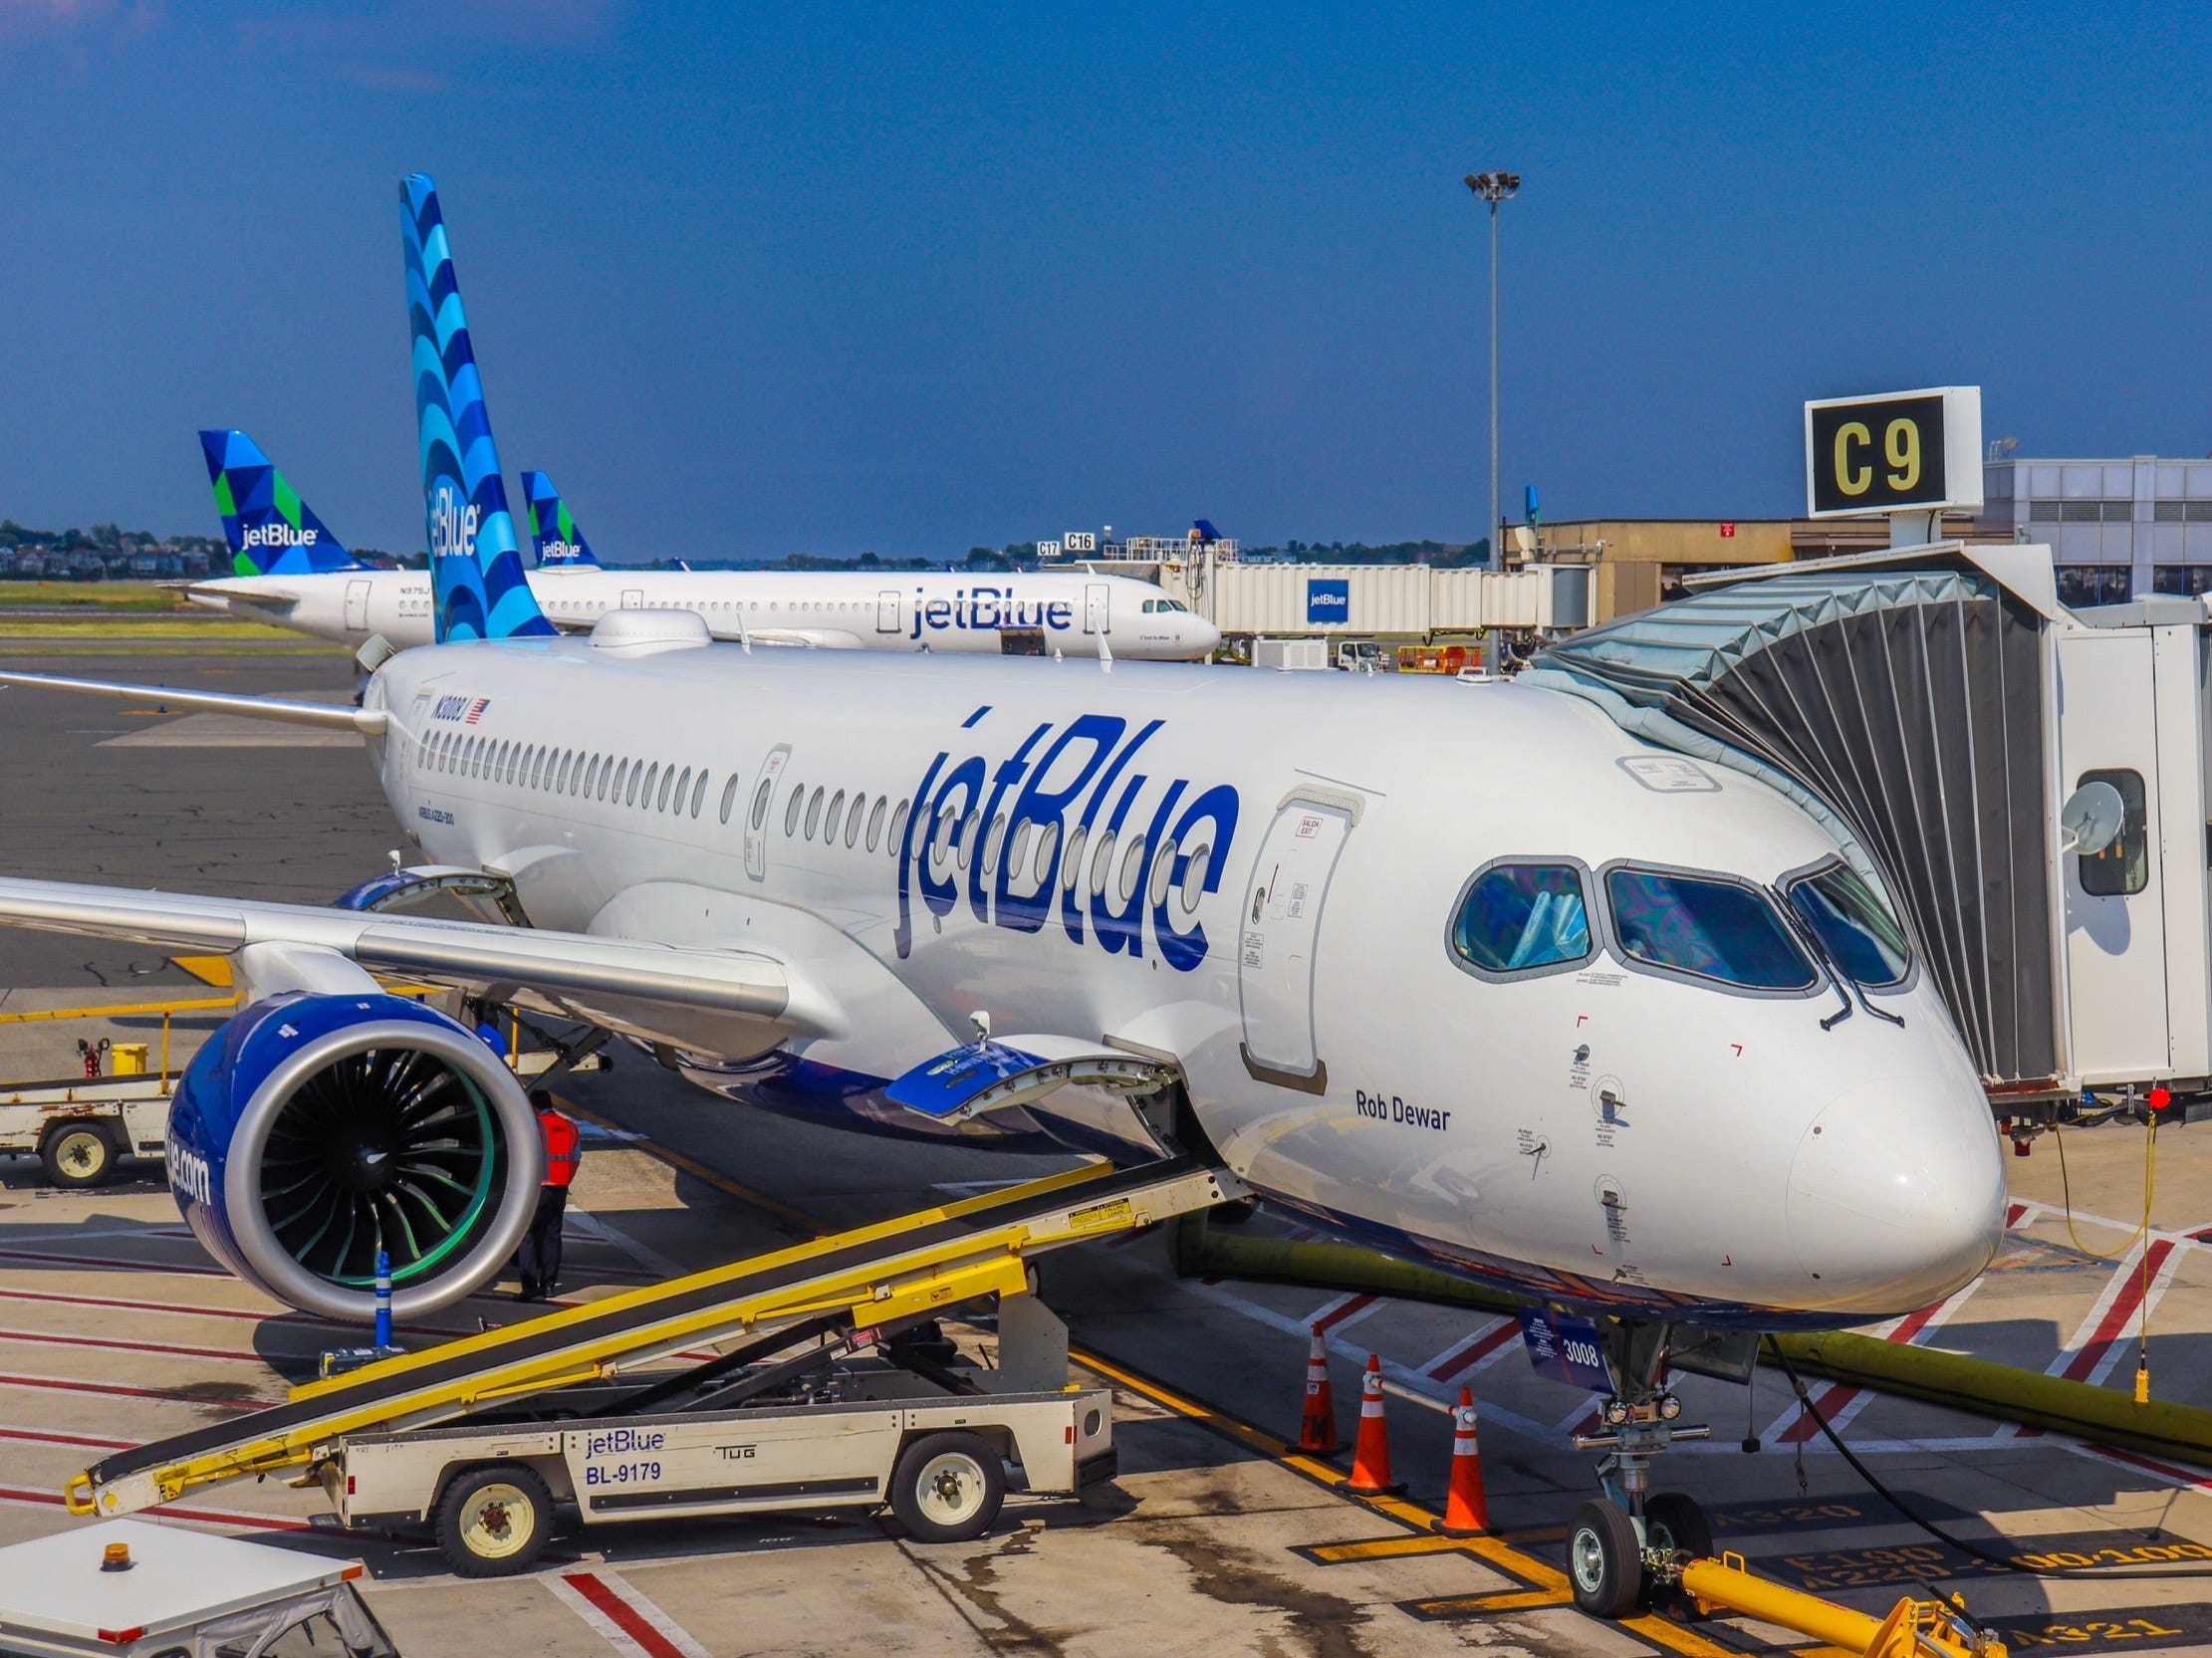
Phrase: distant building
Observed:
(2118, 528)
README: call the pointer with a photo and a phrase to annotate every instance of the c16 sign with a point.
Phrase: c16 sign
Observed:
(1902, 451)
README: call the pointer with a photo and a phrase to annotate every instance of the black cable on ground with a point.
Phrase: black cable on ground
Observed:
(2001, 1562)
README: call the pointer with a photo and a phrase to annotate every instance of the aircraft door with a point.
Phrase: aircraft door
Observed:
(633, 599)
(1279, 932)
(1096, 603)
(356, 607)
(887, 611)
(756, 811)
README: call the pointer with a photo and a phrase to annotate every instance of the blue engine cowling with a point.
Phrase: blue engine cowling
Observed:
(312, 1130)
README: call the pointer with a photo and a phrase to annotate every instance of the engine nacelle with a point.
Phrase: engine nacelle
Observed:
(314, 1129)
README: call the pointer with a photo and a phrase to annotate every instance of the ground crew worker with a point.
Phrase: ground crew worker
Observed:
(540, 1256)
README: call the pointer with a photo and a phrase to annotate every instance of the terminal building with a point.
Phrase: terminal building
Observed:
(2117, 528)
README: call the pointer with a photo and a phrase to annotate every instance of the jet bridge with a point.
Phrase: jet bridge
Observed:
(1938, 709)
(902, 1269)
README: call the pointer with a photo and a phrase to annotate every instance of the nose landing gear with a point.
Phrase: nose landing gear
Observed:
(1627, 1548)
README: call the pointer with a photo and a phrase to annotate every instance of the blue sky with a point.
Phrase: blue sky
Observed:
(750, 281)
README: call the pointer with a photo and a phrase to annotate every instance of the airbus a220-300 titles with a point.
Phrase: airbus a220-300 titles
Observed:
(1461, 971)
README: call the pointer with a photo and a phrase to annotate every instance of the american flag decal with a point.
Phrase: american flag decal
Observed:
(477, 710)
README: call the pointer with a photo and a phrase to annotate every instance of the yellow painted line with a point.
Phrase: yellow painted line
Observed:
(209, 970)
(1551, 1583)
(1384, 1549)
(122, 1010)
(1473, 1605)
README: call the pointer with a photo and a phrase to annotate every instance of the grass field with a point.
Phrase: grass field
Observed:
(136, 627)
(98, 598)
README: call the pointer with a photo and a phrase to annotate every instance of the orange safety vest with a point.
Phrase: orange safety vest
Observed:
(564, 1147)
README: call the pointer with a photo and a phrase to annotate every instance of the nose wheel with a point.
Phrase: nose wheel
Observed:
(1627, 1549)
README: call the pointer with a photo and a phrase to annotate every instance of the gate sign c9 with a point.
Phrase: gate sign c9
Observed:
(1902, 451)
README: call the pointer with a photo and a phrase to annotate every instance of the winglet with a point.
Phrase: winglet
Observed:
(481, 590)
(271, 531)
(553, 532)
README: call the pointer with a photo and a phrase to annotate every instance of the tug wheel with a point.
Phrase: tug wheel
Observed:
(77, 1154)
(494, 1520)
(1604, 1562)
(948, 1488)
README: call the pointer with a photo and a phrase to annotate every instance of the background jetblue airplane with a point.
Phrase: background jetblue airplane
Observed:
(1461, 971)
(288, 570)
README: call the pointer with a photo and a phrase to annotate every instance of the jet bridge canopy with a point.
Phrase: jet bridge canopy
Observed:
(1904, 707)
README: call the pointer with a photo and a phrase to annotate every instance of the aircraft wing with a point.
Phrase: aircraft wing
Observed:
(464, 954)
(234, 600)
(331, 716)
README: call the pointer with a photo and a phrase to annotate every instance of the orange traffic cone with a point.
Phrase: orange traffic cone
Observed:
(1317, 1429)
(1466, 1511)
(1371, 1452)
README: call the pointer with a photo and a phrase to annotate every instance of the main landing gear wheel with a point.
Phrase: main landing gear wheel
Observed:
(1605, 1561)
(493, 1521)
(79, 1155)
(948, 1488)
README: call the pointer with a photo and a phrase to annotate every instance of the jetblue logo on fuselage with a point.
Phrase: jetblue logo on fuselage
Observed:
(990, 608)
(1075, 802)
(279, 534)
(1327, 599)
(452, 525)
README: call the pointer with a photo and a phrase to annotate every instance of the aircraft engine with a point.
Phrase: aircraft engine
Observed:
(312, 1130)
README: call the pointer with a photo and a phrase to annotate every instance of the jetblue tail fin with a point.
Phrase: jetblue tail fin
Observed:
(271, 531)
(479, 587)
(553, 530)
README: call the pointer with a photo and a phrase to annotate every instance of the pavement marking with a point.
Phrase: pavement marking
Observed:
(2101, 1337)
(40, 1436)
(1548, 1585)
(166, 1511)
(632, 1624)
(1477, 1352)
(1838, 1402)
(1343, 1313)
(250, 1314)
(111, 1344)
(808, 1228)
(2172, 1473)
(79, 1384)
(107, 1264)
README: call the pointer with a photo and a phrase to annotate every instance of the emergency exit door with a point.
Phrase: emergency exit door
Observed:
(887, 611)
(633, 599)
(1279, 941)
(756, 811)
(356, 607)
(1097, 598)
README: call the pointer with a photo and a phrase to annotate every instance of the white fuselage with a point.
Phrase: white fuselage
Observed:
(1269, 870)
(1063, 611)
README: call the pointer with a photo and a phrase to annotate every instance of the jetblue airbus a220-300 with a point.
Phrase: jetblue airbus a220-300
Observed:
(1461, 971)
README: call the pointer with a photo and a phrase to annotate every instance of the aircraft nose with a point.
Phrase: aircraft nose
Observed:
(1896, 1195)
(1202, 636)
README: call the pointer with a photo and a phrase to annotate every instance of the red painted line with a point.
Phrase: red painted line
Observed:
(2012, 1215)
(94, 1263)
(1835, 1396)
(75, 1384)
(2151, 1465)
(300, 1319)
(1472, 1351)
(2130, 1296)
(621, 1613)
(110, 1346)
(206, 1516)
(1338, 1314)
(39, 1437)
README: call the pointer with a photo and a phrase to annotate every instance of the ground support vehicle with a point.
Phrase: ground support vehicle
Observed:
(80, 1129)
(129, 1588)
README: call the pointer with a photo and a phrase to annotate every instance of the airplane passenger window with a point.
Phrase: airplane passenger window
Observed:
(653, 776)
(853, 820)
(698, 792)
(966, 844)
(561, 777)
(2123, 867)
(833, 819)
(1101, 864)
(941, 836)
(1164, 871)
(814, 811)
(1016, 856)
(595, 786)
(1523, 915)
(536, 766)
(667, 781)
(790, 810)
(1047, 844)
(1843, 912)
(994, 843)
(1712, 928)
(622, 771)
(683, 787)
(1133, 869)
(730, 800)
(1194, 877)
(897, 840)
(875, 820)
(1070, 865)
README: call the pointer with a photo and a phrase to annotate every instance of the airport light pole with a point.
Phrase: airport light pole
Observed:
(1494, 188)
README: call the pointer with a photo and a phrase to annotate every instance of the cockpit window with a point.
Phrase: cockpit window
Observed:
(1518, 916)
(1714, 929)
(1848, 919)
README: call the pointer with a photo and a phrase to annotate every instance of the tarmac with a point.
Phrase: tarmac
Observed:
(116, 1328)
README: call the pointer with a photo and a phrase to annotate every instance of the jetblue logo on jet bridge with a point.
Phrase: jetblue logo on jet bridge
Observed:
(989, 607)
(1060, 782)
(279, 534)
(1327, 599)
